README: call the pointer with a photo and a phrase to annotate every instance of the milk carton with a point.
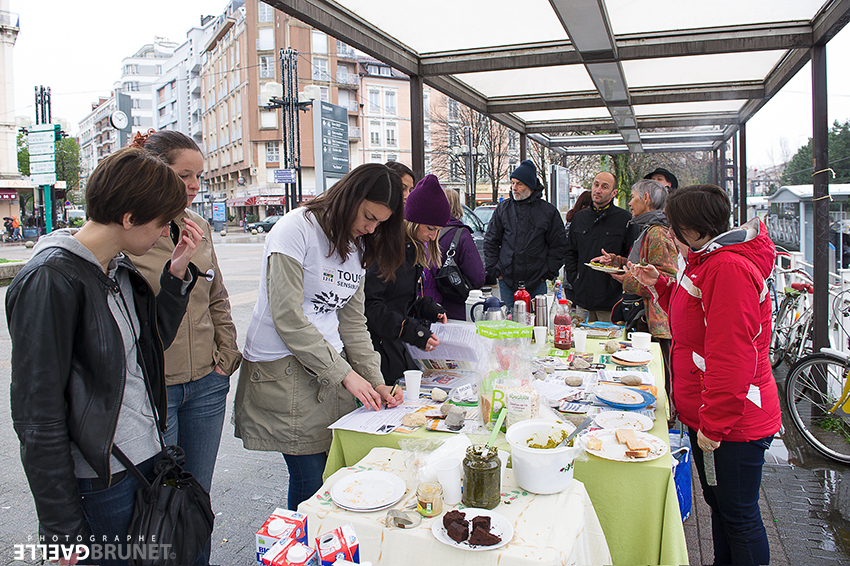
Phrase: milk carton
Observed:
(288, 552)
(339, 544)
(283, 524)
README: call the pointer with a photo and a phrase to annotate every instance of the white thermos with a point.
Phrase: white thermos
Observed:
(475, 296)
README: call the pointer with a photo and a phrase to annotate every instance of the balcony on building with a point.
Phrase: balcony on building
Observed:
(353, 107)
(353, 133)
(348, 80)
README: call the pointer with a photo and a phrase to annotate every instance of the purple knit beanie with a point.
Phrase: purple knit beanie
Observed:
(427, 203)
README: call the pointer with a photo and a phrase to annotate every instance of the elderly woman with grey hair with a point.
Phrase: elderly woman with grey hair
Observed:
(653, 246)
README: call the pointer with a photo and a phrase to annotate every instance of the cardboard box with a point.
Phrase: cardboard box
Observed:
(289, 552)
(283, 524)
(339, 544)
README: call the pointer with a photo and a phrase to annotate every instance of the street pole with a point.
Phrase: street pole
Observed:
(470, 181)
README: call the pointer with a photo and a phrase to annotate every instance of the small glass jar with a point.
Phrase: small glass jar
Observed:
(482, 470)
(429, 499)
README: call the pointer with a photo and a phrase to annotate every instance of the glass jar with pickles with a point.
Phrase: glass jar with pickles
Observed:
(482, 485)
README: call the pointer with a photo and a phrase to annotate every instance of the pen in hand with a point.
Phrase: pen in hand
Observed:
(392, 392)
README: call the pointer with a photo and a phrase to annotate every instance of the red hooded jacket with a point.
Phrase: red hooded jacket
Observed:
(720, 319)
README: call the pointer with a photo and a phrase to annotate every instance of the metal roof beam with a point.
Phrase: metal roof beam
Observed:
(644, 123)
(648, 139)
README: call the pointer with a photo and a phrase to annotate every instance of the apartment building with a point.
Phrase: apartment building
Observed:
(99, 135)
(385, 113)
(138, 73)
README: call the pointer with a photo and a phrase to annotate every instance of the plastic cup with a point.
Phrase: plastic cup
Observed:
(412, 382)
(503, 456)
(540, 335)
(580, 337)
(448, 474)
(640, 340)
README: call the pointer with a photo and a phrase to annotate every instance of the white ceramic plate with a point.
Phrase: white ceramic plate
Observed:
(623, 419)
(367, 491)
(613, 450)
(619, 394)
(632, 356)
(605, 268)
(499, 526)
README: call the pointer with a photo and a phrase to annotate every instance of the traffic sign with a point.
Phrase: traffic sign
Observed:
(42, 128)
(44, 179)
(42, 148)
(284, 175)
(43, 157)
(41, 137)
(37, 167)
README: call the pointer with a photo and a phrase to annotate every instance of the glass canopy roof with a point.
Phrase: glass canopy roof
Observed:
(547, 67)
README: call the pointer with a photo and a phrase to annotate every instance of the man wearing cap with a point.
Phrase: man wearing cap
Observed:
(525, 240)
(664, 177)
(601, 226)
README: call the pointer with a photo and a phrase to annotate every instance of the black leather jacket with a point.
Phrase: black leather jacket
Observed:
(68, 371)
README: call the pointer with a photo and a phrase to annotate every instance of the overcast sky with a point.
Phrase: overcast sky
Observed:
(76, 48)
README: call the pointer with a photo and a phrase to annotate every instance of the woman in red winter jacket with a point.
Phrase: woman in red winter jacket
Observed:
(722, 383)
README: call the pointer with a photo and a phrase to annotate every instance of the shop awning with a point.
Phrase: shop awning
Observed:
(8, 194)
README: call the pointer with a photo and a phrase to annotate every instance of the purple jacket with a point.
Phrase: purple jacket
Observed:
(469, 261)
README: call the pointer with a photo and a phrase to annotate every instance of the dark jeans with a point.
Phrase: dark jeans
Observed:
(109, 510)
(305, 476)
(736, 526)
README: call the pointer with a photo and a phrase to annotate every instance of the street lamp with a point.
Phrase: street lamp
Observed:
(470, 155)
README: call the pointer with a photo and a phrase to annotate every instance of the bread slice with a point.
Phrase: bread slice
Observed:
(636, 444)
(624, 435)
(639, 453)
(594, 443)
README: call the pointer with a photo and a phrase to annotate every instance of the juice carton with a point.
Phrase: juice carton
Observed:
(339, 544)
(283, 524)
(289, 552)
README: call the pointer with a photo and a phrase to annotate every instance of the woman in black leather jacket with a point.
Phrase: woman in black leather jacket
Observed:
(87, 342)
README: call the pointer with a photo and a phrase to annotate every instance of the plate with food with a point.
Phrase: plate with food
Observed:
(621, 397)
(631, 356)
(473, 529)
(624, 445)
(623, 419)
(596, 266)
(367, 491)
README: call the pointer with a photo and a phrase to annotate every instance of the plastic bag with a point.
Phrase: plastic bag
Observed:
(509, 356)
(421, 453)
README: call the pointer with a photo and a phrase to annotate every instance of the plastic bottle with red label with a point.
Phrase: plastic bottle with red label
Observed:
(562, 324)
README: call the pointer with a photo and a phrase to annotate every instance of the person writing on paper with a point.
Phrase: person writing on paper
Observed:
(307, 355)
(88, 336)
(395, 311)
(723, 387)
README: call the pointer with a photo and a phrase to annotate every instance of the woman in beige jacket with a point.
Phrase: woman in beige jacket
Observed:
(199, 362)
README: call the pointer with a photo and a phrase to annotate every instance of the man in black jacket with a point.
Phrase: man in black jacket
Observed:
(525, 240)
(602, 226)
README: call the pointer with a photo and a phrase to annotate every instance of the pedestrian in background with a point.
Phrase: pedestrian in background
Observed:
(204, 354)
(396, 310)
(583, 201)
(723, 385)
(88, 335)
(525, 239)
(665, 177)
(408, 179)
(307, 356)
(466, 257)
(602, 225)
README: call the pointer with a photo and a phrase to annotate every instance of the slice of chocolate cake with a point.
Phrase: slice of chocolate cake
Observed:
(457, 531)
(480, 537)
(482, 521)
(455, 517)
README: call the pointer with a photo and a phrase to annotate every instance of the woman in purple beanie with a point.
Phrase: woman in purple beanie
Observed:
(395, 312)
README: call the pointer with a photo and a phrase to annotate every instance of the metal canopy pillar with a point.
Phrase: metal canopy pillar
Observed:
(417, 126)
(713, 170)
(732, 175)
(820, 198)
(523, 146)
(742, 174)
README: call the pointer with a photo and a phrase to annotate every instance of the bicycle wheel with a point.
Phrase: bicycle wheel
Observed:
(781, 326)
(812, 387)
(799, 340)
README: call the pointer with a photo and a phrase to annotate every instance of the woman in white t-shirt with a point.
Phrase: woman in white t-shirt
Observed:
(308, 354)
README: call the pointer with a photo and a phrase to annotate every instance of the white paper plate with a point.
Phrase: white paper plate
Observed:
(605, 268)
(632, 356)
(499, 526)
(613, 450)
(623, 419)
(619, 395)
(367, 491)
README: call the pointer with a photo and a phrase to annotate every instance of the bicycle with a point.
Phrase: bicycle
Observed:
(791, 332)
(817, 389)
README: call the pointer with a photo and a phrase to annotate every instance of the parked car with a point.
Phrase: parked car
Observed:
(484, 213)
(477, 227)
(263, 225)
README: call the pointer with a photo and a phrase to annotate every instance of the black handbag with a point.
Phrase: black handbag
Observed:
(450, 280)
(630, 312)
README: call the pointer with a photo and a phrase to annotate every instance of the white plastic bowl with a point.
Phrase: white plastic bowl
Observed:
(540, 470)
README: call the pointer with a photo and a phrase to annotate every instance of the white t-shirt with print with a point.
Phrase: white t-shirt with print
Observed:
(328, 285)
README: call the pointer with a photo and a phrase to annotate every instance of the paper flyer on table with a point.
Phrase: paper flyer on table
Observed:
(460, 348)
(378, 422)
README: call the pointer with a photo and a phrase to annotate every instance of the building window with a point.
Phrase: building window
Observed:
(320, 42)
(454, 110)
(392, 157)
(372, 69)
(385, 71)
(160, 94)
(159, 69)
(392, 139)
(265, 13)
(272, 152)
(266, 66)
(131, 69)
(426, 105)
(162, 112)
(343, 49)
(389, 99)
(375, 133)
(131, 86)
(136, 103)
(268, 119)
(512, 140)
(137, 121)
(325, 93)
(265, 39)
(374, 102)
(320, 69)
(376, 158)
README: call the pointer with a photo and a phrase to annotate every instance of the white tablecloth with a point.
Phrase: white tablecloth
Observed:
(548, 529)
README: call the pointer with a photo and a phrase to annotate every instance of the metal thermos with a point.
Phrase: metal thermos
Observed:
(541, 311)
(520, 310)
